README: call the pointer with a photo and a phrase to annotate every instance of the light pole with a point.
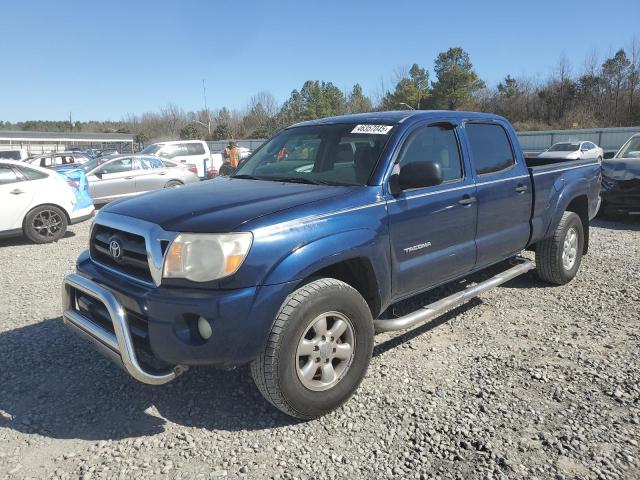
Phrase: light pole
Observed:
(204, 96)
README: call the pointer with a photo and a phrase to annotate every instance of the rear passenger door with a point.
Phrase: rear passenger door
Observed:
(433, 228)
(503, 190)
(150, 174)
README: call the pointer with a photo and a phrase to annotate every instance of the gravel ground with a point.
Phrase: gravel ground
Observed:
(527, 381)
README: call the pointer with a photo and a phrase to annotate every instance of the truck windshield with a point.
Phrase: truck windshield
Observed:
(565, 147)
(340, 154)
(631, 149)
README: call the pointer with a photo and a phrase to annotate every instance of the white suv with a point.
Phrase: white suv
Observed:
(18, 154)
(36, 202)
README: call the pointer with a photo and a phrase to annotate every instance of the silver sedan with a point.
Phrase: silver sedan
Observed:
(123, 176)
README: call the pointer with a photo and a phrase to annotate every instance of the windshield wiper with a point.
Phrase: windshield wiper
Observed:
(247, 177)
(310, 181)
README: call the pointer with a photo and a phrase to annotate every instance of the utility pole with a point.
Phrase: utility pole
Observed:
(70, 124)
(204, 96)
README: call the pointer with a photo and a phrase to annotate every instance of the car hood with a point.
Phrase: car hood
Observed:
(621, 168)
(565, 155)
(219, 205)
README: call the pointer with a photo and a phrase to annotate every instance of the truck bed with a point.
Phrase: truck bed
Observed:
(551, 179)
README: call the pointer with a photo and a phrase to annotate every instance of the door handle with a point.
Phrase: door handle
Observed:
(467, 200)
(521, 188)
(128, 178)
(16, 191)
(162, 173)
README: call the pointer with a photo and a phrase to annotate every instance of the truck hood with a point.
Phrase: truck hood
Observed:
(621, 168)
(219, 205)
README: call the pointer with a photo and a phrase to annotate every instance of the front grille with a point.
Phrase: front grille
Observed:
(132, 257)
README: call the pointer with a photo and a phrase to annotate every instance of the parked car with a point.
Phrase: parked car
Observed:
(574, 151)
(60, 159)
(18, 154)
(195, 152)
(295, 260)
(126, 175)
(106, 151)
(621, 180)
(37, 203)
(174, 164)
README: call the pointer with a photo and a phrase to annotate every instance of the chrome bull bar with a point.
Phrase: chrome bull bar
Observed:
(119, 346)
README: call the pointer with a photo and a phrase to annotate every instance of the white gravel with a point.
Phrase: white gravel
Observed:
(528, 381)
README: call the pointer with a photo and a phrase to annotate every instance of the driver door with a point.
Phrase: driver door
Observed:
(112, 180)
(433, 228)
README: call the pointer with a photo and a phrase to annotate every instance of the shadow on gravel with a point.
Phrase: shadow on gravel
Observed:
(630, 223)
(18, 241)
(53, 384)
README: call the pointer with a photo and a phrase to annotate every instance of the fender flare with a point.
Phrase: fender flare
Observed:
(325, 251)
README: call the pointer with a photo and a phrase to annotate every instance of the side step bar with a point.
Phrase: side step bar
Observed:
(429, 312)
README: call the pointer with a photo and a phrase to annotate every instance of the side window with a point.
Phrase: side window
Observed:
(171, 151)
(7, 175)
(194, 148)
(435, 143)
(490, 147)
(117, 166)
(155, 163)
(31, 174)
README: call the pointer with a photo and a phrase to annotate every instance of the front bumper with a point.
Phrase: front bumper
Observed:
(118, 344)
(152, 331)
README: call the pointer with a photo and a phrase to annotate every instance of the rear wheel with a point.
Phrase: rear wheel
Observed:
(45, 224)
(318, 350)
(558, 257)
(173, 184)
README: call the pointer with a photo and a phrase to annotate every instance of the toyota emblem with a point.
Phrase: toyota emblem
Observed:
(115, 249)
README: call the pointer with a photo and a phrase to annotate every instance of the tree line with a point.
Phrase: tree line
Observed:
(603, 93)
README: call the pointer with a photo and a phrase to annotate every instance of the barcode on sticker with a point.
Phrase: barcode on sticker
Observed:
(372, 129)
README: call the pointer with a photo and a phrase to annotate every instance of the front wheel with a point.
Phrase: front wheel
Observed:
(45, 224)
(558, 257)
(318, 350)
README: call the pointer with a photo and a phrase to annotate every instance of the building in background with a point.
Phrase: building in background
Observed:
(44, 142)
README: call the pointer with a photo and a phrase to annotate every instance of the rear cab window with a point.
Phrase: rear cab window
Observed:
(193, 148)
(490, 148)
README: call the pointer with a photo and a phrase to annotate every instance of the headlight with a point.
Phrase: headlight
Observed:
(202, 257)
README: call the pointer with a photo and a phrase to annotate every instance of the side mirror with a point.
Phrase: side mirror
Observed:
(416, 175)
(99, 174)
(608, 155)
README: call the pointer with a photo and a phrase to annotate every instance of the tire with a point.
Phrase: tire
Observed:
(173, 184)
(45, 224)
(558, 257)
(278, 370)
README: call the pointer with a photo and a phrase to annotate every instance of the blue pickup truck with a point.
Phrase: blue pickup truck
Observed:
(295, 261)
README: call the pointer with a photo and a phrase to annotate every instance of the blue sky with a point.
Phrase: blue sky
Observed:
(102, 60)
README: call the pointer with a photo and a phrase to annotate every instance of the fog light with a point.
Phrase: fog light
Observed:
(204, 328)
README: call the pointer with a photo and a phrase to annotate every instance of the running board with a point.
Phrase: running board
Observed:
(429, 312)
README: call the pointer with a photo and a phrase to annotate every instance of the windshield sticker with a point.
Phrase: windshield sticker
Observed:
(372, 129)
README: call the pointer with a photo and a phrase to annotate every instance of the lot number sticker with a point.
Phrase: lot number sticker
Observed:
(372, 129)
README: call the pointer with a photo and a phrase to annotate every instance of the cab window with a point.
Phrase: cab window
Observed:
(434, 143)
(490, 147)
